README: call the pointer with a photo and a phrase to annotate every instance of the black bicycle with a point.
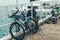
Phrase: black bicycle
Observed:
(18, 27)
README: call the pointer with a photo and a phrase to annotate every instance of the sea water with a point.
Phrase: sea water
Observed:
(4, 20)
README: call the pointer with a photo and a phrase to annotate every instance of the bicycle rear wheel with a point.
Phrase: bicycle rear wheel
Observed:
(17, 31)
(32, 26)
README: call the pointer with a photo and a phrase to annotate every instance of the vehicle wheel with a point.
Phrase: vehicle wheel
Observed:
(32, 26)
(17, 30)
(54, 21)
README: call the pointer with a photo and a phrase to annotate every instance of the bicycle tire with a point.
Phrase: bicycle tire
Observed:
(33, 30)
(21, 36)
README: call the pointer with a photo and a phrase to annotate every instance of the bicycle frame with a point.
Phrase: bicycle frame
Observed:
(26, 20)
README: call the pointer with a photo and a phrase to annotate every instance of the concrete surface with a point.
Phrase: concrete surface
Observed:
(47, 32)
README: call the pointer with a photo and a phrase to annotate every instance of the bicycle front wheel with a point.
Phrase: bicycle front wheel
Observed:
(17, 31)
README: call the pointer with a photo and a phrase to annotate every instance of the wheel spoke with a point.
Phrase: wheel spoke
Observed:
(16, 31)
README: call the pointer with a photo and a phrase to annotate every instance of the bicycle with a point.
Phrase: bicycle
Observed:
(20, 25)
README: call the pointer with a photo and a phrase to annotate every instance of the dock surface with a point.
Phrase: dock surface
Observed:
(47, 32)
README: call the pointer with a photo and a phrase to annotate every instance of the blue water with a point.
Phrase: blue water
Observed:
(3, 31)
(4, 20)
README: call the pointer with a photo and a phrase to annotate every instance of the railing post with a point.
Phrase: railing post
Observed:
(31, 9)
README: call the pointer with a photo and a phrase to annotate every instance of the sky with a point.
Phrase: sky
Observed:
(6, 2)
(13, 2)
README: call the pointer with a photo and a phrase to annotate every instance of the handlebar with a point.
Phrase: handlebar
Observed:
(14, 14)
